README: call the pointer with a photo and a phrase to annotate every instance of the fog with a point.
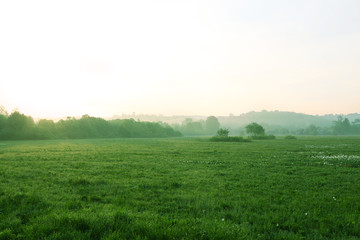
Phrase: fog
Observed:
(71, 58)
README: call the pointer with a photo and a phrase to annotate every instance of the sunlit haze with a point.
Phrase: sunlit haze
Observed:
(102, 58)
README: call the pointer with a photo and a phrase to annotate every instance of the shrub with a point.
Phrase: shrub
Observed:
(229, 139)
(289, 137)
(223, 132)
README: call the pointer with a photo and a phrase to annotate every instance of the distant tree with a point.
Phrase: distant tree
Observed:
(356, 126)
(132, 128)
(346, 125)
(198, 127)
(19, 126)
(3, 119)
(3, 111)
(312, 130)
(192, 128)
(68, 128)
(255, 129)
(342, 126)
(46, 129)
(223, 132)
(211, 125)
(90, 127)
(356, 121)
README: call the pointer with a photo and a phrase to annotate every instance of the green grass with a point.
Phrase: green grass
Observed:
(180, 189)
(289, 137)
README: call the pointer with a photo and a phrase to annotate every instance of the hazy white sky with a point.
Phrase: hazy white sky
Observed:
(69, 58)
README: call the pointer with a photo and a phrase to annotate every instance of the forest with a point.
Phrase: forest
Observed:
(274, 122)
(17, 126)
(340, 126)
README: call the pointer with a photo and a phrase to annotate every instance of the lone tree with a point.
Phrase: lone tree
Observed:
(254, 129)
(223, 132)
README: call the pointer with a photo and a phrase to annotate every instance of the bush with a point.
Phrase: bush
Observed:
(229, 139)
(223, 132)
(289, 137)
(271, 136)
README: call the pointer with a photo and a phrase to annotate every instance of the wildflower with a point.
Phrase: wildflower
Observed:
(334, 198)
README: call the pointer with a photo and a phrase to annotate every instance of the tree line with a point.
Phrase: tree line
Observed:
(17, 126)
(190, 127)
(208, 127)
(342, 126)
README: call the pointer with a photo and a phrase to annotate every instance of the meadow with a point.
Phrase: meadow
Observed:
(180, 188)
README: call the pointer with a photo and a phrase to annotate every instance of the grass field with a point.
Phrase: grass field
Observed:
(305, 188)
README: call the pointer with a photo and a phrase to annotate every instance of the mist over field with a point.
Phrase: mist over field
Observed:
(271, 119)
(72, 58)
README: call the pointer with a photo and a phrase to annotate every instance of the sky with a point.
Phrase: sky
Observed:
(206, 57)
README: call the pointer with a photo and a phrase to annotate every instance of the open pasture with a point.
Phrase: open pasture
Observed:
(185, 188)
